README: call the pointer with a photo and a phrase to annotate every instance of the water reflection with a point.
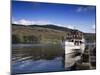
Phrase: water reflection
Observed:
(29, 58)
(37, 58)
(41, 65)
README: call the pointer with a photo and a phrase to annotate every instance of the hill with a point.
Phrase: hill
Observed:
(43, 34)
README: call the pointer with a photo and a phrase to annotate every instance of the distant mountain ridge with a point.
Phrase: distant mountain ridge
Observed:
(51, 26)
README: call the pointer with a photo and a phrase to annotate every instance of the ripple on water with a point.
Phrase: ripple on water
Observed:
(41, 65)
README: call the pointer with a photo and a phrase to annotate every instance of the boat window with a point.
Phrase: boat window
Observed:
(72, 40)
(81, 42)
(76, 43)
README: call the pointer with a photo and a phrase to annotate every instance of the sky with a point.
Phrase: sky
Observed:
(81, 17)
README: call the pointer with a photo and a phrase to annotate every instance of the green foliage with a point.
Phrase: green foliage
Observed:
(90, 37)
(15, 39)
(30, 39)
(44, 34)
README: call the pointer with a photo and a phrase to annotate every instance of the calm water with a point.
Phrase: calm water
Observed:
(29, 58)
(37, 58)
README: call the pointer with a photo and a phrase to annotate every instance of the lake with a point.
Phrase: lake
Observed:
(35, 58)
(28, 58)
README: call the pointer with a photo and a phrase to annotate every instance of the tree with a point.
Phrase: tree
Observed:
(15, 39)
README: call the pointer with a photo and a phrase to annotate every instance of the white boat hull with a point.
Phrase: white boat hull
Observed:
(73, 53)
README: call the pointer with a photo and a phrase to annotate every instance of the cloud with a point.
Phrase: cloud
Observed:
(23, 22)
(86, 8)
(30, 22)
(70, 26)
(43, 22)
(94, 26)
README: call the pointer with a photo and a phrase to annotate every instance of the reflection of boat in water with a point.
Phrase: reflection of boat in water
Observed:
(74, 47)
